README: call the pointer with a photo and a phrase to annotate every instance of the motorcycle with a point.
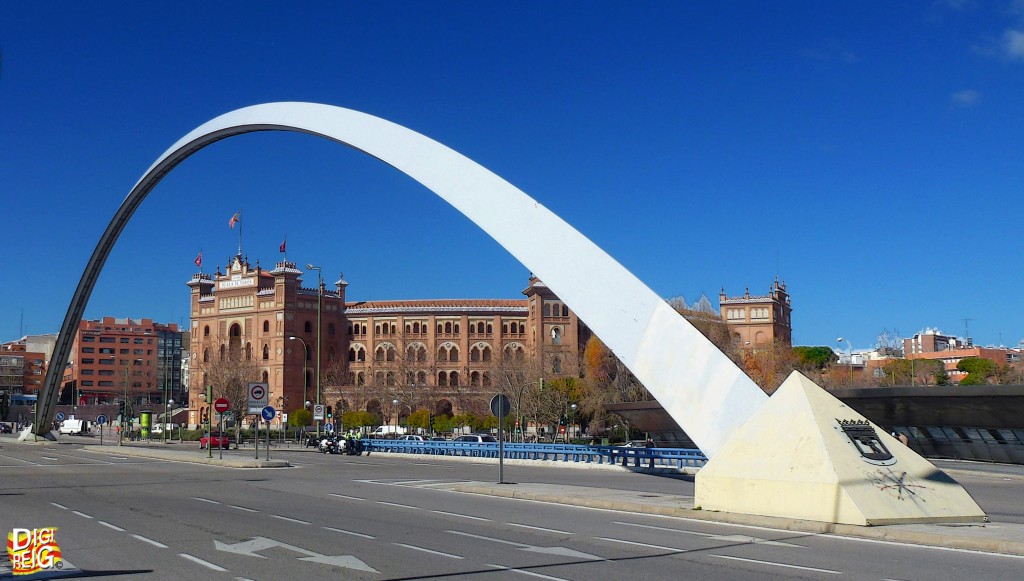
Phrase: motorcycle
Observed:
(330, 445)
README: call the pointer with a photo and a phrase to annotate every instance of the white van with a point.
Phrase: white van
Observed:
(75, 427)
(387, 432)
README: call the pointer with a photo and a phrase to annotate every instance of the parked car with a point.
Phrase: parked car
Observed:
(412, 437)
(214, 440)
(477, 438)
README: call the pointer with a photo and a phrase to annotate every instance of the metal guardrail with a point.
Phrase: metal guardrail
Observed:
(634, 457)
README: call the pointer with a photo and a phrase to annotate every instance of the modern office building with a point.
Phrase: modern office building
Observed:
(933, 344)
(117, 358)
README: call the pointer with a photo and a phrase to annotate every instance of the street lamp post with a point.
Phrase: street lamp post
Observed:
(572, 419)
(850, 345)
(394, 407)
(319, 310)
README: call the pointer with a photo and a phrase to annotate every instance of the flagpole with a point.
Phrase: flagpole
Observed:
(239, 231)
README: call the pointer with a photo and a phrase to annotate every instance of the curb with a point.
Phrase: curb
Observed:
(186, 457)
(892, 533)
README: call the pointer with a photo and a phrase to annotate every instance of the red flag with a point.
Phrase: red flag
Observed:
(235, 219)
(283, 244)
(199, 259)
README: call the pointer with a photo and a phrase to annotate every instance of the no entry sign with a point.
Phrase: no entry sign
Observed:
(221, 405)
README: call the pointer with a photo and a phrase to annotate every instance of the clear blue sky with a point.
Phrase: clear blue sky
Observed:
(869, 153)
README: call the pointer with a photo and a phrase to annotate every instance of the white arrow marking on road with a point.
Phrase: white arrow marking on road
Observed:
(251, 548)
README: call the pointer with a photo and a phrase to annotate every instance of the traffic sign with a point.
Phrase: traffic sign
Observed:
(60, 416)
(268, 413)
(500, 405)
(221, 405)
(329, 427)
(101, 419)
(259, 397)
(318, 412)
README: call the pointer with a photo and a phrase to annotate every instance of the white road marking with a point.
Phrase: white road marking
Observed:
(206, 564)
(119, 457)
(502, 541)
(659, 547)
(398, 505)
(344, 496)
(150, 541)
(461, 515)
(205, 500)
(415, 548)
(47, 458)
(60, 506)
(289, 519)
(354, 534)
(728, 538)
(512, 524)
(19, 460)
(913, 546)
(243, 508)
(530, 573)
(773, 564)
(81, 514)
(108, 525)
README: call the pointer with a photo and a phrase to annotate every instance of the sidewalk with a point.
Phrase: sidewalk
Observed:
(993, 537)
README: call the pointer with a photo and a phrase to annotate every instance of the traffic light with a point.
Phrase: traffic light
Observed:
(329, 413)
(120, 408)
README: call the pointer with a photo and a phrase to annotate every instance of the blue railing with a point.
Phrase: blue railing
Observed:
(633, 457)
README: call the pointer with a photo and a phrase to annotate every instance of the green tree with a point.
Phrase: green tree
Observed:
(443, 423)
(814, 358)
(419, 419)
(978, 370)
(300, 418)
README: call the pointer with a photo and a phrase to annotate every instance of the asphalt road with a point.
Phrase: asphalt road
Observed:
(382, 517)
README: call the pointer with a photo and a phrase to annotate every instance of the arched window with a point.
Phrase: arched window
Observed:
(408, 328)
(352, 354)
(206, 331)
(330, 328)
(248, 351)
(394, 328)
(440, 329)
(442, 354)
(556, 364)
(266, 376)
(361, 354)
(453, 379)
(309, 355)
(565, 311)
(448, 327)
(266, 326)
(556, 336)
(545, 310)
(442, 378)
(485, 353)
(421, 378)
(376, 329)
(391, 353)
(363, 328)
(415, 327)
(206, 355)
(308, 327)
(453, 355)
(266, 351)
(474, 379)
(504, 328)
(360, 378)
(456, 328)
(490, 328)
(474, 354)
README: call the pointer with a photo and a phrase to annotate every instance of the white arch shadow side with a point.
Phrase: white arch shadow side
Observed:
(705, 392)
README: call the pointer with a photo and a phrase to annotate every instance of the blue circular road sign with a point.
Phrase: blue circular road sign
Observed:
(60, 416)
(268, 413)
(329, 427)
(101, 419)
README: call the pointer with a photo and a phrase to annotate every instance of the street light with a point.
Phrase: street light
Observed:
(850, 345)
(305, 357)
(319, 309)
(572, 418)
(394, 406)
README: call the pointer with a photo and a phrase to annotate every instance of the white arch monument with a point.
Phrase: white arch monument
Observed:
(705, 392)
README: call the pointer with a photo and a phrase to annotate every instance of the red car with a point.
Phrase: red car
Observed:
(214, 440)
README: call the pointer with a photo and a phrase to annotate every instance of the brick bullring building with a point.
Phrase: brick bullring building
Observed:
(433, 354)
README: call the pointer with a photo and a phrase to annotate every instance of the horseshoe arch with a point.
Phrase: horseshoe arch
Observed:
(705, 392)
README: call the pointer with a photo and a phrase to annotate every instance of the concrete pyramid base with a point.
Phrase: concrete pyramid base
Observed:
(806, 455)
